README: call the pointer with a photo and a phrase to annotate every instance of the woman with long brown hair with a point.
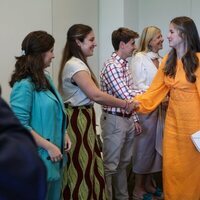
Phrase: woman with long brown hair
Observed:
(179, 75)
(84, 175)
(39, 107)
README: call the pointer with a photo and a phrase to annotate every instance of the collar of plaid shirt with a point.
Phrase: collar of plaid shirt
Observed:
(120, 60)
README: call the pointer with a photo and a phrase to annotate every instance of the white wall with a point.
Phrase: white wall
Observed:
(17, 18)
(69, 12)
(111, 16)
(131, 14)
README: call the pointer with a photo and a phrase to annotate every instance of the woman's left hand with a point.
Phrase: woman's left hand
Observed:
(68, 143)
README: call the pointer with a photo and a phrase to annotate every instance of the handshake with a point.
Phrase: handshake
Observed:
(131, 105)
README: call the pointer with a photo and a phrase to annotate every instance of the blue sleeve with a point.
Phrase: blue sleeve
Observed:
(21, 100)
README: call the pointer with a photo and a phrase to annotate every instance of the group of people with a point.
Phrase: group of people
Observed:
(135, 99)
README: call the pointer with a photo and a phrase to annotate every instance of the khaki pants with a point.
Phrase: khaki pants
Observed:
(118, 135)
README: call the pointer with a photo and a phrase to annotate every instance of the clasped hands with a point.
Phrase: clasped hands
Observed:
(55, 154)
(131, 106)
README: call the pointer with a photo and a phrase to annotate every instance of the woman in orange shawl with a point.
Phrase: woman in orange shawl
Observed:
(179, 76)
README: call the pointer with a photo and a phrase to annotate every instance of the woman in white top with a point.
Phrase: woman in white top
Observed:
(84, 176)
(147, 155)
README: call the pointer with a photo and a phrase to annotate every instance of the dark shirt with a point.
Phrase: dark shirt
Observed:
(22, 173)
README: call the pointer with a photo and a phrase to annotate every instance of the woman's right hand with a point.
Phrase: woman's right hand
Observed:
(132, 106)
(54, 153)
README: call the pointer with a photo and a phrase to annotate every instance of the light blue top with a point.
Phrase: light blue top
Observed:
(43, 112)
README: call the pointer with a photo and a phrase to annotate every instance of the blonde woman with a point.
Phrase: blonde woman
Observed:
(147, 154)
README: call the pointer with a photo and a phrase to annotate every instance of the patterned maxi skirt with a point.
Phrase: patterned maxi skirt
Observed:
(83, 176)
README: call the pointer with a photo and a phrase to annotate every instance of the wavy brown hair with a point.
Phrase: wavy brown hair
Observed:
(188, 31)
(31, 62)
(75, 32)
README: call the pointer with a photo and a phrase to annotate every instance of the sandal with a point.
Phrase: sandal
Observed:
(158, 193)
(146, 196)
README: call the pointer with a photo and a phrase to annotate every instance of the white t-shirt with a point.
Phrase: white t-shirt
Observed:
(72, 94)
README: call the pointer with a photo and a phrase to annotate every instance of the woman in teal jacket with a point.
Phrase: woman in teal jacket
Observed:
(38, 105)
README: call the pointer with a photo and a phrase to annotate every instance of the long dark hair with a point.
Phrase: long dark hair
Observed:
(187, 30)
(75, 32)
(31, 62)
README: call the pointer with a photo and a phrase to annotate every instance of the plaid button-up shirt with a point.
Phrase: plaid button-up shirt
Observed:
(116, 80)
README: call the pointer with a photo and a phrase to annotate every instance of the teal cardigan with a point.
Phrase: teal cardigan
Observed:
(43, 112)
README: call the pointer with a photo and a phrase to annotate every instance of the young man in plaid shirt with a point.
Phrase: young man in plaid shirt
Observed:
(118, 127)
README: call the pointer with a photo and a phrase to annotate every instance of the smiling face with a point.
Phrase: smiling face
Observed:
(126, 49)
(175, 39)
(48, 56)
(157, 42)
(88, 44)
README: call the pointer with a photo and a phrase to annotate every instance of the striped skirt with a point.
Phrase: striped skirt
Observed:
(83, 177)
